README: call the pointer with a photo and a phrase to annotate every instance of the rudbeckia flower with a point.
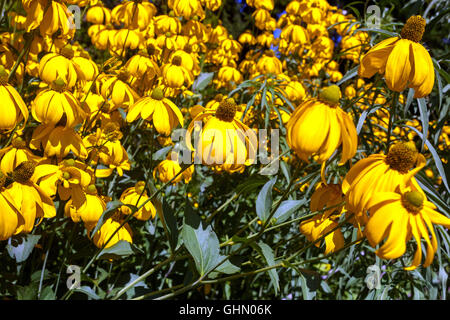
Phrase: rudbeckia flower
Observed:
(399, 216)
(13, 108)
(325, 196)
(224, 140)
(56, 104)
(88, 211)
(186, 8)
(98, 14)
(319, 126)
(29, 198)
(175, 74)
(380, 173)
(116, 89)
(57, 18)
(10, 217)
(54, 66)
(163, 112)
(136, 196)
(15, 154)
(403, 60)
(167, 169)
(108, 229)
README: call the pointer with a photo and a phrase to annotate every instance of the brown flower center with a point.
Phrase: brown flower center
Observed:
(18, 143)
(67, 52)
(414, 28)
(23, 172)
(413, 201)
(176, 61)
(58, 85)
(402, 156)
(226, 110)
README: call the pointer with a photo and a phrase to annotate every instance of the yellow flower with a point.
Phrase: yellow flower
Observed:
(380, 173)
(319, 126)
(403, 61)
(53, 66)
(269, 63)
(175, 75)
(86, 68)
(169, 168)
(186, 8)
(67, 179)
(163, 112)
(107, 230)
(13, 108)
(116, 89)
(15, 154)
(88, 211)
(399, 216)
(10, 217)
(98, 14)
(57, 18)
(136, 196)
(31, 201)
(57, 104)
(224, 141)
(57, 141)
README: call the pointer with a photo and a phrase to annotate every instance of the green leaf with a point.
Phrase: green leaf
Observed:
(161, 153)
(119, 250)
(87, 291)
(264, 200)
(47, 294)
(20, 247)
(423, 118)
(227, 267)
(250, 184)
(202, 243)
(286, 209)
(202, 81)
(171, 223)
(350, 74)
(267, 252)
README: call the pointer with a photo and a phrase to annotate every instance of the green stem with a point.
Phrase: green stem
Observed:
(393, 112)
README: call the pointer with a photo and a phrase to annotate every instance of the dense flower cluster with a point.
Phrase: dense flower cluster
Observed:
(66, 138)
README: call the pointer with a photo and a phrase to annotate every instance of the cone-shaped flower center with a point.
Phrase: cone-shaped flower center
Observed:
(3, 76)
(414, 28)
(66, 175)
(69, 162)
(91, 189)
(2, 179)
(413, 201)
(330, 95)
(67, 52)
(176, 61)
(157, 94)
(151, 49)
(402, 156)
(58, 85)
(23, 172)
(226, 110)
(123, 75)
(18, 143)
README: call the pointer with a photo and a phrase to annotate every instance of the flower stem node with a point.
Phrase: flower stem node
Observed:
(23, 172)
(414, 28)
(330, 95)
(413, 201)
(402, 156)
(226, 110)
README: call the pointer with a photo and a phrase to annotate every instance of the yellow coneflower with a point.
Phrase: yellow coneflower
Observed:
(55, 104)
(136, 196)
(175, 74)
(15, 154)
(399, 216)
(167, 169)
(58, 141)
(13, 108)
(29, 198)
(163, 112)
(10, 217)
(224, 140)
(66, 179)
(88, 211)
(319, 126)
(380, 173)
(325, 196)
(53, 66)
(403, 60)
(108, 229)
